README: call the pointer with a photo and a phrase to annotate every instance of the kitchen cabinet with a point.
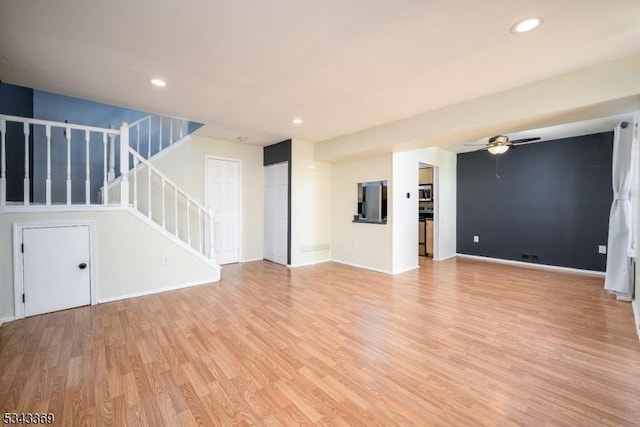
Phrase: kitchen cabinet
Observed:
(425, 176)
(430, 237)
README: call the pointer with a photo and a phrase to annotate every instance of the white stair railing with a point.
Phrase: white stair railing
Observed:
(61, 138)
(163, 202)
(153, 133)
(159, 198)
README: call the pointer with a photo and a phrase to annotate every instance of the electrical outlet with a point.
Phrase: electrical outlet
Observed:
(602, 249)
(476, 239)
(165, 259)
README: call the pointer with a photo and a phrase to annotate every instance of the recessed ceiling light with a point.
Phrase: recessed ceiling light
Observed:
(526, 25)
(158, 82)
(242, 138)
(296, 121)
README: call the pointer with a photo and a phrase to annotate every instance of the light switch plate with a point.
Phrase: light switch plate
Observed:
(476, 239)
(602, 249)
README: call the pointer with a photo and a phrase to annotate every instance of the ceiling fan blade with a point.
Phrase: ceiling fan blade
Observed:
(476, 144)
(524, 140)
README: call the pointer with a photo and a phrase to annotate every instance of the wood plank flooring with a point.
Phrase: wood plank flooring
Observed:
(458, 342)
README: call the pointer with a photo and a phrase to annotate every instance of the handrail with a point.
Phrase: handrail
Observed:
(58, 124)
(205, 230)
(140, 120)
(155, 170)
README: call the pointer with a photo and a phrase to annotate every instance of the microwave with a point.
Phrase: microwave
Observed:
(425, 192)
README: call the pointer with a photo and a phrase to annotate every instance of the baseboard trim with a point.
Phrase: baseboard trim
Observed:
(155, 291)
(446, 258)
(252, 260)
(406, 270)
(536, 266)
(364, 267)
(7, 320)
(305, 264)
(636, 315)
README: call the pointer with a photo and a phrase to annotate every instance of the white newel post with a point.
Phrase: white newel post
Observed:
(212, 250)
(124, 164)
(3, 167)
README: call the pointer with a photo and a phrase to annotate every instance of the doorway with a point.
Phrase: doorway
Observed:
(427, 200)
(222, 193)
(54, 267)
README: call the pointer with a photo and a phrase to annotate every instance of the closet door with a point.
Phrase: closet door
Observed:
(276, 196)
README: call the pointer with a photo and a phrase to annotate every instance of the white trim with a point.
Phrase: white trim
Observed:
(155, 291)
(635, 304)
(446, 258)
(18, 268)
(304, 264)
(252, 260)
(7, 320)
(364, 267)
(536, 266)
(58, 208)
(208, 204)
(406, 270)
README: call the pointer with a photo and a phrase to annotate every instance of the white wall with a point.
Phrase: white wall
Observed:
(364, 245)
(636, 223)
(405, 211)
(128, 256)
(310, 206)
(185, 166)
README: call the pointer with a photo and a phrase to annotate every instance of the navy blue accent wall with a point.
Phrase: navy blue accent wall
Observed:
(552, 201)
(279, 153)
(16, 101)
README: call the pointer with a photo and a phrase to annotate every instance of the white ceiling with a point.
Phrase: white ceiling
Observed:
(246, 67)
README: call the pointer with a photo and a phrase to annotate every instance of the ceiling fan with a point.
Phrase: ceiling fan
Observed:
(499, 144)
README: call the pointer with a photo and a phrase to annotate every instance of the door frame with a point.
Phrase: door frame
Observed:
(18, 267)
(240, 194)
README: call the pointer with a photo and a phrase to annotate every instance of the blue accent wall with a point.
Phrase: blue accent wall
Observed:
(552, 201)
(15, 101)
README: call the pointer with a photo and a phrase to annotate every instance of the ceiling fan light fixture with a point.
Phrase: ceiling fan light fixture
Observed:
(498, 149)
(526, 25)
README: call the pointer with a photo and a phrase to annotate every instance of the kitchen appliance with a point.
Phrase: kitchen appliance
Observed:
(425, 193)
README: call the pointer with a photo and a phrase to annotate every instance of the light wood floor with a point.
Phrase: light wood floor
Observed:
(458, 342)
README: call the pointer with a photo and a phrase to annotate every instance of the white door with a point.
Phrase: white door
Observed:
(56, 268)
(276, 200)
(223, 195)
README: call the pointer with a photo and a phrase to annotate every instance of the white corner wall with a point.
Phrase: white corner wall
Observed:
(405, 211)
(363, 245)
(310, 206)
(185, 165)
(128, 255)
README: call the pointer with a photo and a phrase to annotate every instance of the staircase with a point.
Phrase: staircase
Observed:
(84, 168)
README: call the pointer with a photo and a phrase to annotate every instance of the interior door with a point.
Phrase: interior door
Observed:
(56, 268)
(223, 188)
(276, 197)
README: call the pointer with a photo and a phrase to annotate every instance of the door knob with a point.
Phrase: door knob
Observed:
(82, 266)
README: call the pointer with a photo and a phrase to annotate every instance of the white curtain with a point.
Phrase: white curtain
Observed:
(620, 247)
